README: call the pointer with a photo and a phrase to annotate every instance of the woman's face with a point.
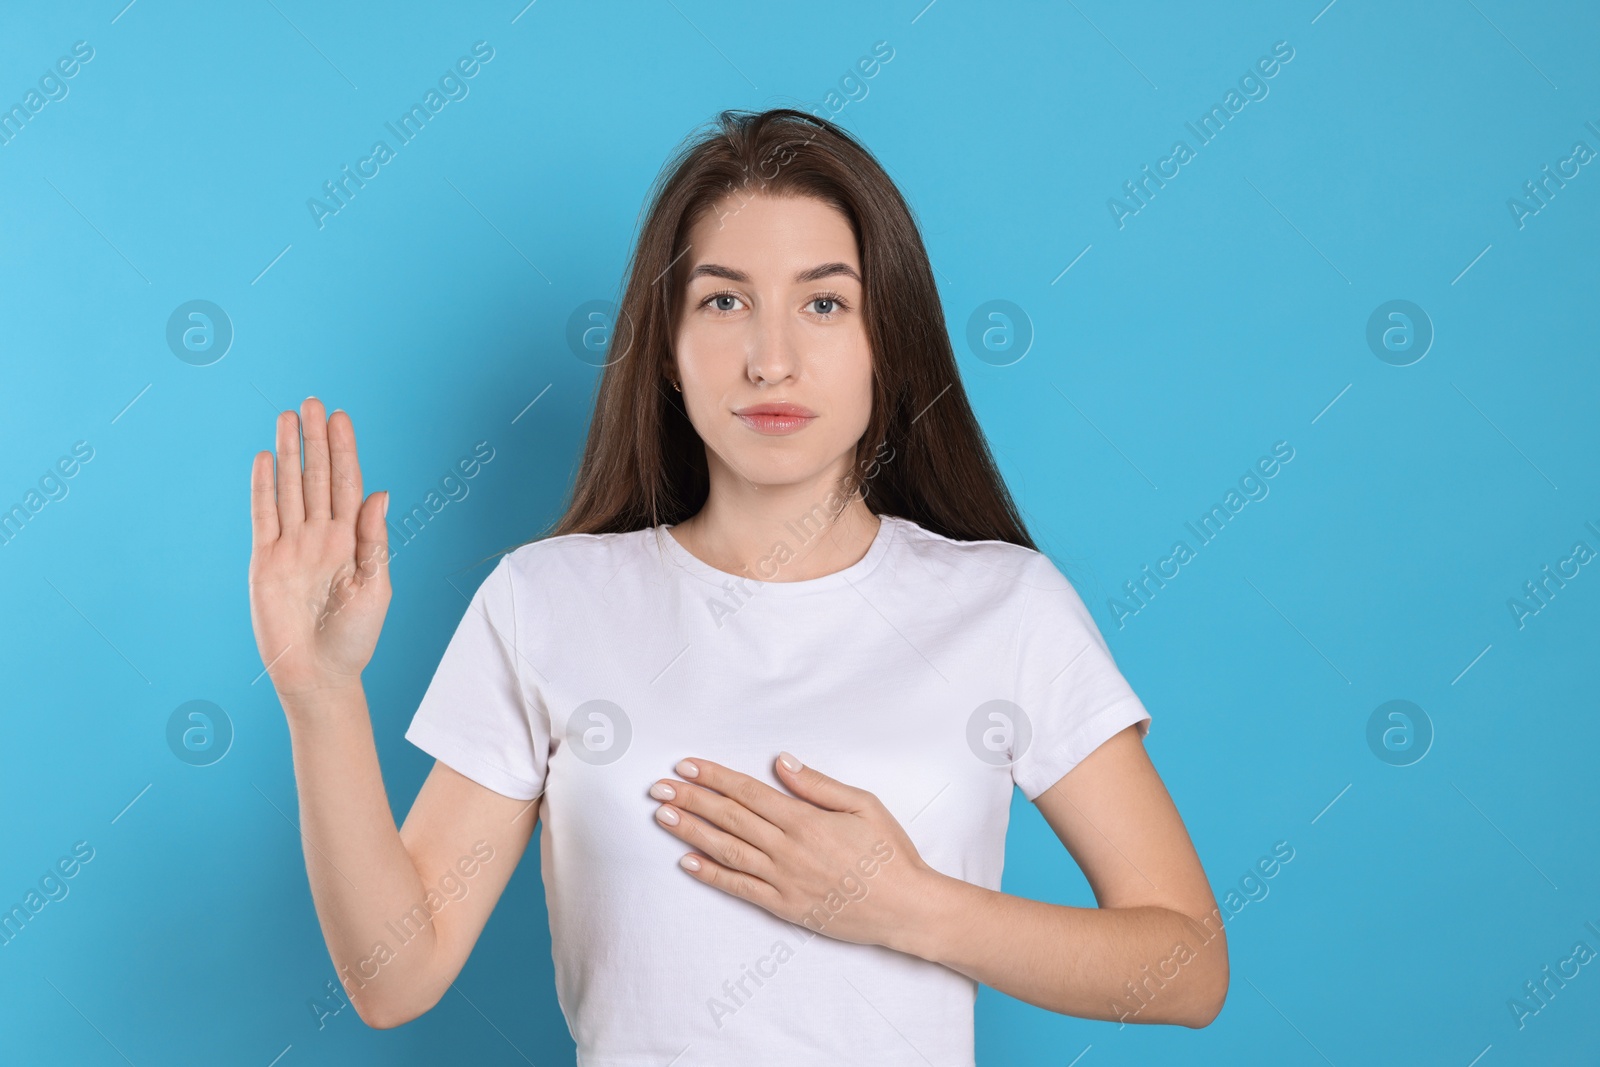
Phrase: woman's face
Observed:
(772, 314)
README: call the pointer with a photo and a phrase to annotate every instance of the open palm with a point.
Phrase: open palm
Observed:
(319, 560)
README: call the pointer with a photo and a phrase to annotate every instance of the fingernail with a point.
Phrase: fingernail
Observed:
(690, 863)
(687, 769)
(788, 761)
(385, 504)
(667, 815)
(663, 791)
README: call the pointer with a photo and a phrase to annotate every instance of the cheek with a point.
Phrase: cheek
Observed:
(708, 356)
(712, 371)
(854, 390)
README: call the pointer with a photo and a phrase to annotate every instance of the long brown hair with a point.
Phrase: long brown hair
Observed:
(644, 464)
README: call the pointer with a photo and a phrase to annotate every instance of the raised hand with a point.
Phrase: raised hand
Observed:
(319, 560)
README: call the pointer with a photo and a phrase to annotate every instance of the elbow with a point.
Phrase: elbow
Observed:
(383, 1016)
(1216, 994)
(1210, 991)
(378, 1018)
(400, 996)
(1207, 1014)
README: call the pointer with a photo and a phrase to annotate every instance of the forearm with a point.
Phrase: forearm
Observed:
(1144, 964)
(363, 881)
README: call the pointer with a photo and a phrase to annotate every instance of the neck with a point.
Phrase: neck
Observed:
(742, 525)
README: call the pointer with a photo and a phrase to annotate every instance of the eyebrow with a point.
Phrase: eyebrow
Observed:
(826, 270)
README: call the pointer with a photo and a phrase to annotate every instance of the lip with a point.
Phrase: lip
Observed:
(775, 418)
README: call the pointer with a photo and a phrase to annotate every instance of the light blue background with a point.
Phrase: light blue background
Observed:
(1228, 314)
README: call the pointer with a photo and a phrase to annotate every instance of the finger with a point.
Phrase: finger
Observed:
(775, 807)
(372, 542)
(722, 812)
(291, 506)
(346, 470)
(734, 883)
(811, 784)
(315, 482)
(726, 849)
(263, 509)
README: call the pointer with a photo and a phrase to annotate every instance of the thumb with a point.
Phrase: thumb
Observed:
(811, 784)
(372, 540)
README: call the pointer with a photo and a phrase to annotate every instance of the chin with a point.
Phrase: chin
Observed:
(778, 470)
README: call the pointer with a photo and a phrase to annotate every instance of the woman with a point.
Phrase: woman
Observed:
(786, 536)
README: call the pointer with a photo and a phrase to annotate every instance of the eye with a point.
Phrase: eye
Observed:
(830, 298)
(716, 298)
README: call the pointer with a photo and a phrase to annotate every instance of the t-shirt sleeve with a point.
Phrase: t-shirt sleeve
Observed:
(1069, 688)
(475, 716)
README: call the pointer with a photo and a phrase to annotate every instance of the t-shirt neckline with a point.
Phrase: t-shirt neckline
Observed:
(888, 529)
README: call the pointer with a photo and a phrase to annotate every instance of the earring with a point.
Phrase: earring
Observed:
(676, 386)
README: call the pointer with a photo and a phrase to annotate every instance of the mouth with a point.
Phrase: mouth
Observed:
(782, 418)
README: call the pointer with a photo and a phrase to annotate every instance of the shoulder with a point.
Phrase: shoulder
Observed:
(1026, 583)
(573, 557)
(999, 565)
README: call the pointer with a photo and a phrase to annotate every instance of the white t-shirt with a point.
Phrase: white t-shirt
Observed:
(588, 665)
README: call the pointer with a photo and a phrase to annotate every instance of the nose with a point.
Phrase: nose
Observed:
(772, 352)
